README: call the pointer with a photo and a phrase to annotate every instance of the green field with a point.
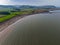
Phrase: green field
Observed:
(13, 14)
(8, 14)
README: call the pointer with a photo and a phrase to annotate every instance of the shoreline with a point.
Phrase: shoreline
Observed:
(5, 24)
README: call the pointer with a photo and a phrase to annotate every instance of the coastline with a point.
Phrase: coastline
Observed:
(5, 24)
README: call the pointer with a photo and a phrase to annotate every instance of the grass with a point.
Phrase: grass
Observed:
(13, 14)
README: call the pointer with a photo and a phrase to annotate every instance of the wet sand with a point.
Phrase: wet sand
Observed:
(5, 24)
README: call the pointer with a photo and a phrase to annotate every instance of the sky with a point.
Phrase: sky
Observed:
(30, 2)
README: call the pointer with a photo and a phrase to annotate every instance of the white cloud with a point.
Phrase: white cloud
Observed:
(3, 2)
(30, 2)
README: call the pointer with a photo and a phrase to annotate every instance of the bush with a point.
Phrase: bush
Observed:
(4, 13)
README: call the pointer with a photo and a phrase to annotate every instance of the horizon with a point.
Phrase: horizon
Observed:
(28, 5)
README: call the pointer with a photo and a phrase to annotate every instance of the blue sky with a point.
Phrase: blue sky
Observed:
(30, 2)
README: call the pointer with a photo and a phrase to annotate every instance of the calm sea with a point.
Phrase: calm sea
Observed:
(38, 29)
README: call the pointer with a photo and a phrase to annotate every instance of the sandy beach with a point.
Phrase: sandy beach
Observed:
(5, 24)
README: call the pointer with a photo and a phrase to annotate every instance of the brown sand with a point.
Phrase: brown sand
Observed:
(10, 21)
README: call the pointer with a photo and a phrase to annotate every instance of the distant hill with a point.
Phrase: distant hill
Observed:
(48, 6)
(11, 7)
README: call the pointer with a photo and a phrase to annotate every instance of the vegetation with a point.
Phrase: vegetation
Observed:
(8, 14)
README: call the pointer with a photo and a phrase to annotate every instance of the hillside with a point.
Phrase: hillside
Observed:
(25, 7)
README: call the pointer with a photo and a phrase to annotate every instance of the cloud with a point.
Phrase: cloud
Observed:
(2, 2)
(36, 2)
(31, 2)
(25, 2)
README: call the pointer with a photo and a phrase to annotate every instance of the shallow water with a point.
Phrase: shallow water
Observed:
(39, 29)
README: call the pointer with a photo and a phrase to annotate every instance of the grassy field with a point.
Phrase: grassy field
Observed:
(10, 14)
(13, 14)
